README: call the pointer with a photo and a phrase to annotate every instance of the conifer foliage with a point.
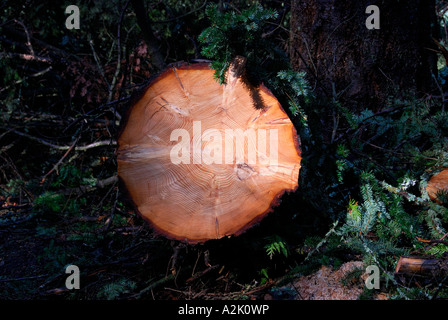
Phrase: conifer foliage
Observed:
(244, 33)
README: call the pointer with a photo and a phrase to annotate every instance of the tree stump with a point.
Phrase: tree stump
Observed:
(199, 160)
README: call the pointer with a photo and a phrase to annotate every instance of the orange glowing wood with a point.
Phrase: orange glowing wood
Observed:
(196, 201)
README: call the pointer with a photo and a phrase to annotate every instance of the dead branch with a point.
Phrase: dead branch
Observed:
(28, 41)
(59, 147)
(34, 75)
(117, 70)
(202, 273)
(16, 34)
(28, 57)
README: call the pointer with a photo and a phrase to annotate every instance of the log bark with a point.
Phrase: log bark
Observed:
(421, 266)
(213, 191)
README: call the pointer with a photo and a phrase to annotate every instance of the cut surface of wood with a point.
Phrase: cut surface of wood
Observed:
(199, 160)
(437, 183)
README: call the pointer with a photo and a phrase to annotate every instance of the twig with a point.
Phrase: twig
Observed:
(100, 68)
(196, 263)
(332, 230)
(60, 52)
(105, 182)
(200, 274)
(312, 72)
(37, 74)
(55, 167)
(10, 162)
(278, 25)
(117, 70)
(28, 41)
(94, 145)
(112, 214)
(59, 147)
(434, 242)
(28, 57)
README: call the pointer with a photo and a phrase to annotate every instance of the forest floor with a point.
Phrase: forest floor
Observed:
(143, 266)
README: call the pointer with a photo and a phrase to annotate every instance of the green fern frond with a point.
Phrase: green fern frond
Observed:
(438, 250)
(276, 245)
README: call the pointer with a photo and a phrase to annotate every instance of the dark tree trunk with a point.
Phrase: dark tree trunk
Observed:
(145, 25)
(330, 41)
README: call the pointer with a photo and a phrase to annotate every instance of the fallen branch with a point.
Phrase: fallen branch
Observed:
(117, 70)
(59, 147)
(325, 238)
(200, 274)
(108, 104)
(25, 56)
(37, 74)
(28, 41)
(94, 145)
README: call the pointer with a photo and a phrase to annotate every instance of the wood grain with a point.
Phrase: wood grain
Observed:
(195, 202)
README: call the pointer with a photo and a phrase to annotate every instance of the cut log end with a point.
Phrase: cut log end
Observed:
(199, 162)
